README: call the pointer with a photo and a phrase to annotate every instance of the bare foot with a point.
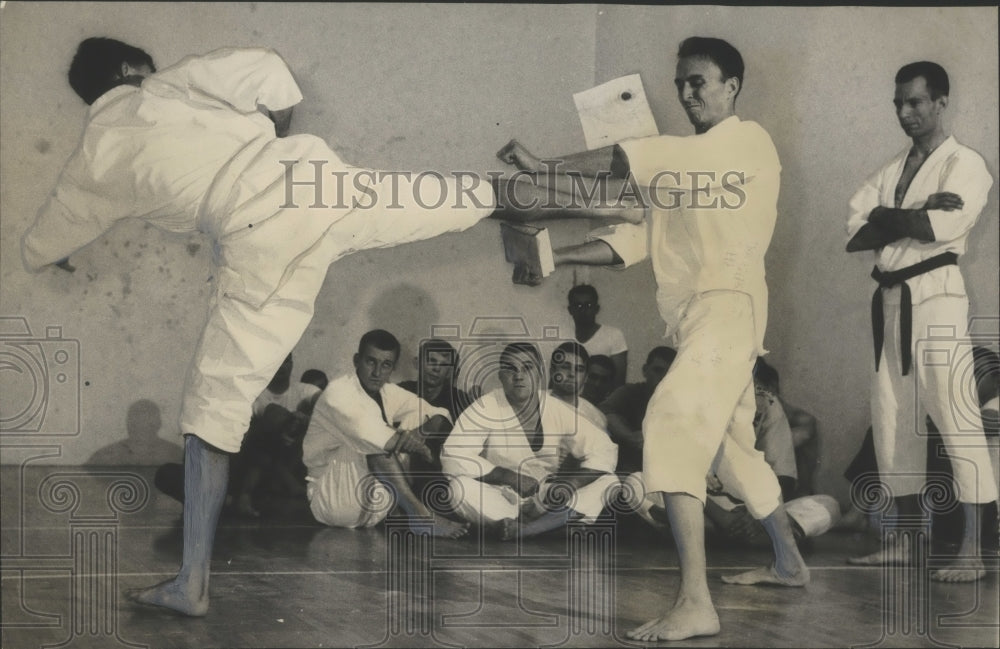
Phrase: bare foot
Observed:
(964, 570)
(508, 529)
(686, 619)
(894, 555)
(769, 576)
(173, 595)
(448, 528)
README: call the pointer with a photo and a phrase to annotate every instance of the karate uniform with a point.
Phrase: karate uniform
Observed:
(190, 150)
(488, 434)
(713, 199)
(347, 426)
(941, 382)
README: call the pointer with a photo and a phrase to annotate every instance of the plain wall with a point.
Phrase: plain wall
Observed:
(443, 87)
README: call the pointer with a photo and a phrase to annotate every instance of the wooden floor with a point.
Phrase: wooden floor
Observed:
(74, 538)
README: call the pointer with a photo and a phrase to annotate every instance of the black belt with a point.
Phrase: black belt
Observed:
(898, 278)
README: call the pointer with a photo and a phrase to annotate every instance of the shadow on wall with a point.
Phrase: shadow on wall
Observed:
(407, 312)
(142, 445)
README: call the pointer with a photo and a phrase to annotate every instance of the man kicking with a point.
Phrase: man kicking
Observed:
(199, 147)
(713, 207)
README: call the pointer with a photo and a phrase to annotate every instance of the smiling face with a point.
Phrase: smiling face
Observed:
(373, 367)
(705, 94)
(919, 115)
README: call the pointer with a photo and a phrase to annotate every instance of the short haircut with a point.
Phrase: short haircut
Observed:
(574, 348)
(933, 74)
(441, 347)
(524, 348)
(602, 361)
(765, 375)
(97, 66)
(719, 52)
(315, 377)
(664, 353)
(584, 290)
(379, 339)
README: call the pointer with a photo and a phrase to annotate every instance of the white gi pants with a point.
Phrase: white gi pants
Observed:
(940, 384)
(478, 502)
(348, 495)
(242, 347)
(701, 414)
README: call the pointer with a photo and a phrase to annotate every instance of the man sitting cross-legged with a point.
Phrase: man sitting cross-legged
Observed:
(523, 464)
(357, 448)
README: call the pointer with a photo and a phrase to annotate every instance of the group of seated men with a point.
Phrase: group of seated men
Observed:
(522, 459)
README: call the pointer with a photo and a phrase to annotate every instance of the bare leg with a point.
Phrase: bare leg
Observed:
(692, 613)
(206, 472)
(896, 551)
(969, 563)
(789, 568)
(390, 472)
(529, 199)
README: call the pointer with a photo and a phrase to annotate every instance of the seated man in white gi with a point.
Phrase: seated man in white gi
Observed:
(567, 376)
(523, 464)
(360, 435)
(201, 146)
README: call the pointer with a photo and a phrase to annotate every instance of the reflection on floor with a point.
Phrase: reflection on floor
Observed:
(73, 539)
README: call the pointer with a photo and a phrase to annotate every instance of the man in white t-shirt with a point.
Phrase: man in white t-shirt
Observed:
(598, 339)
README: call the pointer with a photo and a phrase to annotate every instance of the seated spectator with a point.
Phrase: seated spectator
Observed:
(523, 464)
(600, 379)
(315, 377)
(804, 426)
(625, 408)
(437, 371)
(568, 373)
(362, 434)
(272, 447)
(599, 339)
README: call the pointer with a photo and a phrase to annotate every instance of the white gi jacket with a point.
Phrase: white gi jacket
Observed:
(714, 205)
(488, 434)
(951, 167)
(190, 150)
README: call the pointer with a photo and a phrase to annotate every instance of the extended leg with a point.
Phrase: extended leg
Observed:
(693, 613)
(206, 472)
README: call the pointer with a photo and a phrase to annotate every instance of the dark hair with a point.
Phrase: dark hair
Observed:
(718, 51)
(574, 348)
(379, 339)
(441, 347)
(315, 377)
(583, 289)
(97, 66)
(933, 74)
(765, 375)
(662, 352)
(526, 348)
(603, 361)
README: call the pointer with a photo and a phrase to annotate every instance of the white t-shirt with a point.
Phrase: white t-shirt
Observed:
(607, 341)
